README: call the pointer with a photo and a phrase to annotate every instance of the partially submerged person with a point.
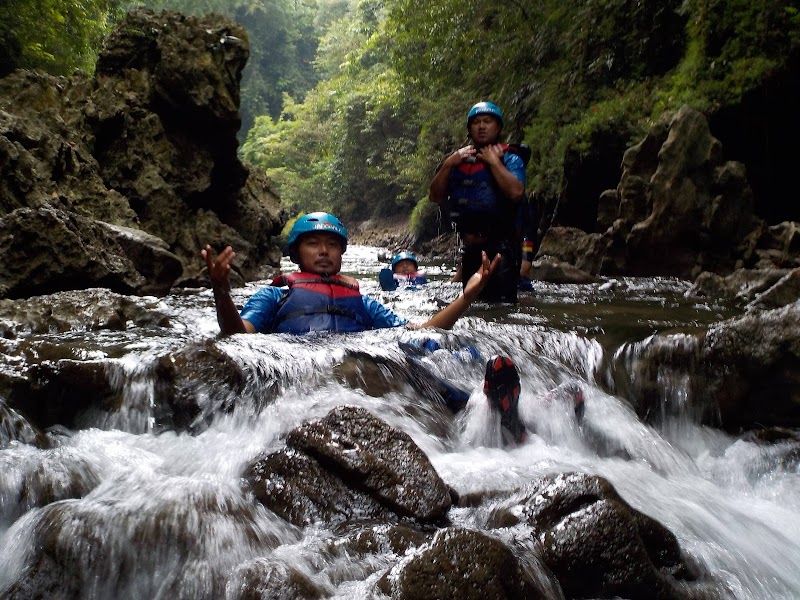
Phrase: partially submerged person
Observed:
(404, 272)
(318, 297)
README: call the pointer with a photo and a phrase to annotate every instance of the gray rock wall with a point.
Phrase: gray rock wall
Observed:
(680, 209)
(117, 180)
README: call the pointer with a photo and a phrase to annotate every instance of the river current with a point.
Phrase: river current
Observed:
(734, 507)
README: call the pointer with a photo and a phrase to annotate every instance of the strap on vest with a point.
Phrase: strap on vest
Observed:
(290, 280)
(328, 280)
(330, 309)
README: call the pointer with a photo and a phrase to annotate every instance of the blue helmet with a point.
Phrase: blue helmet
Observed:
(320, 222)
(485, 108)
(404, 256)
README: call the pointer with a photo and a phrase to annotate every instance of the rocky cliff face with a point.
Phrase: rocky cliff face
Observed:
(119, 179)
(680, 209)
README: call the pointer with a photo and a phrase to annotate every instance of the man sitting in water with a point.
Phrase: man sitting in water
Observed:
(318, 297)
(404, 272)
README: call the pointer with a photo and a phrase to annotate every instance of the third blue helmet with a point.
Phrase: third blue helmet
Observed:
(404, 256)
(319, 222)
(485, 108)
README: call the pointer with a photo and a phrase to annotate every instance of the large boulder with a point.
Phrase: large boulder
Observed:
(751, 369)
(46, 250)
(680, 209)
(698, 206)
(743, 373)
(346, 466)
(147, 144)
(595, 543)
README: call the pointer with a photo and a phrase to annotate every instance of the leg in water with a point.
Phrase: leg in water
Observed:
(454, 395)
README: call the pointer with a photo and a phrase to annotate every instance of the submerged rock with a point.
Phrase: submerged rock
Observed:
(465, 564)
(265, 579)
(86, 310)
(16, 428)
(743, 285)
(751, 369)
(195, 384)
(89, 547)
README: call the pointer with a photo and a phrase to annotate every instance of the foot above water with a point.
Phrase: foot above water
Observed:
(502, 388)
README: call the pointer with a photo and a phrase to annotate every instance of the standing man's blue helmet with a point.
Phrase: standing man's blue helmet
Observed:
(317, 222)
(405, 256)
(485, 108)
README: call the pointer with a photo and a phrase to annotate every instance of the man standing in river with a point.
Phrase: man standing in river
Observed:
(480, 187)
(319, 298)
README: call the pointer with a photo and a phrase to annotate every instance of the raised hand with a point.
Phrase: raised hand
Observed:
(492, 154)
(460, 155)
(219, 268)
(219, 271)
(479, 279)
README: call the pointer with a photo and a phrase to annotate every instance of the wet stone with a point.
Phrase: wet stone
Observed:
(376, 457)
(594, 542)
(464, 564)
(265, 579)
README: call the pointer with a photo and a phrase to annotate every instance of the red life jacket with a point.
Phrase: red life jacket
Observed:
(475, 202)
(320, 303)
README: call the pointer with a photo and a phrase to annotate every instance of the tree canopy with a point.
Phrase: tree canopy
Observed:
(57, 36)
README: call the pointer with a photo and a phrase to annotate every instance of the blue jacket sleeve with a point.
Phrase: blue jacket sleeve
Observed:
(514, 164)
(382, 317)
(261, 308)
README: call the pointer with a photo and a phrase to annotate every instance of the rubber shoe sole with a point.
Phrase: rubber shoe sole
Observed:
(502, 388)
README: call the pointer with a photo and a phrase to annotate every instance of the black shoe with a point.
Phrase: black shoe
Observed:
(501, 386)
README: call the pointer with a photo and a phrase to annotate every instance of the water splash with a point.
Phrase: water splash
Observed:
(139, 511)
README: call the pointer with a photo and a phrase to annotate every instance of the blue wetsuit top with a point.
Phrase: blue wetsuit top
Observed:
(262, 307)
(391, 281)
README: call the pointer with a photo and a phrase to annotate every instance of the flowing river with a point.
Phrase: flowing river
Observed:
(156, 519)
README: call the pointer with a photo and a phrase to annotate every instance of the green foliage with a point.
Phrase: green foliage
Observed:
(733, 45)
(56, 36)
(424, 222)
(295, 153)
(351, 142)
(354, 102)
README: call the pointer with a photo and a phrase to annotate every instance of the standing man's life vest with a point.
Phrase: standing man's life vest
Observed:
(318, 303)
(475, 203)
